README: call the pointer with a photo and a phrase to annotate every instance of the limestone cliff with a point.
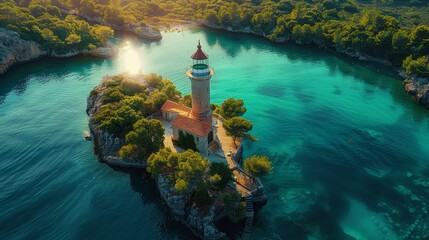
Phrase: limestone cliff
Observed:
(14, 50)
(200, 223)
(105, 144)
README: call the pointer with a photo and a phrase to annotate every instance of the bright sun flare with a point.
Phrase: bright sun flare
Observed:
(129, 59)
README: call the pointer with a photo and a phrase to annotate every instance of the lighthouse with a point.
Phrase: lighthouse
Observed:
(200, 74)
(193, 127)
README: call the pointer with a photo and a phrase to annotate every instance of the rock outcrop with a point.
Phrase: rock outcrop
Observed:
(201, 223)
(418, 87)
(15, 50)
(105, 144)
(145, 32)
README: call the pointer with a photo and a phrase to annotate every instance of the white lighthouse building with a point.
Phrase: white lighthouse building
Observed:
(196, 122)
(200, 74)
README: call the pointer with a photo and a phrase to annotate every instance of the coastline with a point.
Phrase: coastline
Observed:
(16, 50)
(415, 86)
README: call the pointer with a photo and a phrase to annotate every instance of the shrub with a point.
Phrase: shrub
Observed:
(257, 165)
(220, 174)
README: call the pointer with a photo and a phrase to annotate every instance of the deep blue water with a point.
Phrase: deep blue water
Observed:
(350, 149)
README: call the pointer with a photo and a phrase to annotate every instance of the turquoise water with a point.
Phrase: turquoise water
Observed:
(350, 149)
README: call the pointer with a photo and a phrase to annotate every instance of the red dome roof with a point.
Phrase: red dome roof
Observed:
(199, 54)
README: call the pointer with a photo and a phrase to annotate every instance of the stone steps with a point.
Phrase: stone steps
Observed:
(213, 147)
(249, 217)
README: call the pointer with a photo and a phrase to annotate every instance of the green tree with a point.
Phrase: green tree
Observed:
(232, 108)
(258, 165)
(157, 99)
(88, 7)
(400, 41)
(185, 170)
(37, 10)
(112, 95)
(153, 80)
(234, 207)
(221, 175)
(73, 38)
(169, 89)
(54, 11)
(103, 32)
(158, 162)
(147, 135)
(137, 103)
(186, 141)
(128, 151)
(419, 66)
(181, 185)
(131, 87)
(201, 197)
(420, 39)
(117, 119)
(113, 14)
(238, 127)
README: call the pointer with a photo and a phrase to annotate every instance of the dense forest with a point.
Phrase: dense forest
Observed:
(393, 30)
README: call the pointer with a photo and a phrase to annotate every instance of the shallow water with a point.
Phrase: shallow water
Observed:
(350, 148)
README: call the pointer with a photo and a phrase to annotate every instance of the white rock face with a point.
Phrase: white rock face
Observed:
(14, 50)
(175, 202)
(201, 224)
(419, 88)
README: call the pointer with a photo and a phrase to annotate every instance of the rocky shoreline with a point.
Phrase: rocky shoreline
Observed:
(106, 145)
(15, 50)
(417, 87)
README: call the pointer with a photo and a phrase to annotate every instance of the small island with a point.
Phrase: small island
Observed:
(192, 148)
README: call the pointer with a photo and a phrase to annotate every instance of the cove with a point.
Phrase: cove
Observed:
(349, 147)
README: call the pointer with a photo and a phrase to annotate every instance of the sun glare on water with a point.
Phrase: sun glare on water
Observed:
(129, 60)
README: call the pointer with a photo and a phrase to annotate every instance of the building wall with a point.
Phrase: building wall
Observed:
(200, 142)
(202, 145)
(169, 115)
(175, 133)
(201, 97)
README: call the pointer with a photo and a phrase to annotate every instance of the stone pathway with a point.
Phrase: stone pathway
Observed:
(168, 134)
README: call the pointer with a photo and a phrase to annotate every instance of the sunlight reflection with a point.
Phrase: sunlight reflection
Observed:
(129, 60)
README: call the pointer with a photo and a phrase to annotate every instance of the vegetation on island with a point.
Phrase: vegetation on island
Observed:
(194, 176)
(126, 103)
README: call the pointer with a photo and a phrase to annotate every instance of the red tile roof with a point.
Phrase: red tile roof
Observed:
(170, 105)
(199, 54)
(196, 127)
